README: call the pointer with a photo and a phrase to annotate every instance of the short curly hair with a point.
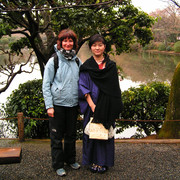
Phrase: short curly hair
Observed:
(67, 33)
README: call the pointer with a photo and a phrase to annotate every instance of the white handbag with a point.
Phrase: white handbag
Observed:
(98, 131)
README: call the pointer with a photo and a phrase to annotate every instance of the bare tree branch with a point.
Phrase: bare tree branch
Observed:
(9, 69)
(176, 3)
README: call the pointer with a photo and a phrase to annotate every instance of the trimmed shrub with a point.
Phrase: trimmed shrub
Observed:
(177, 47)
(150, 46)
(28, 99)
(162, 47)
(169, 48)
(147, 102)
(135, 47)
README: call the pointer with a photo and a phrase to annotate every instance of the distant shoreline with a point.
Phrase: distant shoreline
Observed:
(162, 52)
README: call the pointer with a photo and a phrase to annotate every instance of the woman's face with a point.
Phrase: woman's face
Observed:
(98, 48)
(67, 44)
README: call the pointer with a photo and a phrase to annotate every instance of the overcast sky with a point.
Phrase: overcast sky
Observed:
(150, 5)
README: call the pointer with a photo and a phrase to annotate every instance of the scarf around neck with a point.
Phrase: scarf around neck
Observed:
(68, 54)
(109, 103)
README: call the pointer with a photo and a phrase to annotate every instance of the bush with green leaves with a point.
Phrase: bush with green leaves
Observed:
(146, 102)
(150, 46)
(177, 47)
(169, 48)
(28, 99)
(162, 47)
(5, 41)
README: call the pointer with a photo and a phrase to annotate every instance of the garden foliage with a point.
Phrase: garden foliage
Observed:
(147, 102)
(177, 47)
(29, 100)
(37, 24)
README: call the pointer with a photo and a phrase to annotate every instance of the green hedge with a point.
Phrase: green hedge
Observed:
(162, 47)
(144, 102)
(177, 47)
(29, 100)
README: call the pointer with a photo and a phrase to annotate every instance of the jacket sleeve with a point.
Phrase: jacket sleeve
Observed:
(82, 90)
(47, 82)
(80, 62)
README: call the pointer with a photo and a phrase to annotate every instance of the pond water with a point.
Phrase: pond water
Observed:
(137, 68)
(148, 66)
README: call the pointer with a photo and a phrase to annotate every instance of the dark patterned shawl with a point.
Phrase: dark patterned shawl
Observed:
(109, 103)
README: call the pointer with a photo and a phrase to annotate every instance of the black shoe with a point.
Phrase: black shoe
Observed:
(94, 168)
(102, 169)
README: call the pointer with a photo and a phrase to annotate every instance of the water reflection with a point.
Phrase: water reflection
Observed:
(125, 84)
(147, 67)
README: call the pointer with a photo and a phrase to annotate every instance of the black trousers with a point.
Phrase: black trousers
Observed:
(63, 126)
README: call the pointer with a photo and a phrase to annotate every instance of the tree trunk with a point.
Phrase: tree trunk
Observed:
(172, 129)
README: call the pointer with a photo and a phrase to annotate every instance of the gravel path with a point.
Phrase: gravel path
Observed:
(132, 162)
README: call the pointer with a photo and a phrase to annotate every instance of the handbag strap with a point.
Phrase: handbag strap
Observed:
(91, 119)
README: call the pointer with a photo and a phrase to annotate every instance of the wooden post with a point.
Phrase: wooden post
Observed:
(20, 126)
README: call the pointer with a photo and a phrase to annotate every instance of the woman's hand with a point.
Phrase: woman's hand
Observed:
(50, 112)
(93, 106)
(90, 102)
